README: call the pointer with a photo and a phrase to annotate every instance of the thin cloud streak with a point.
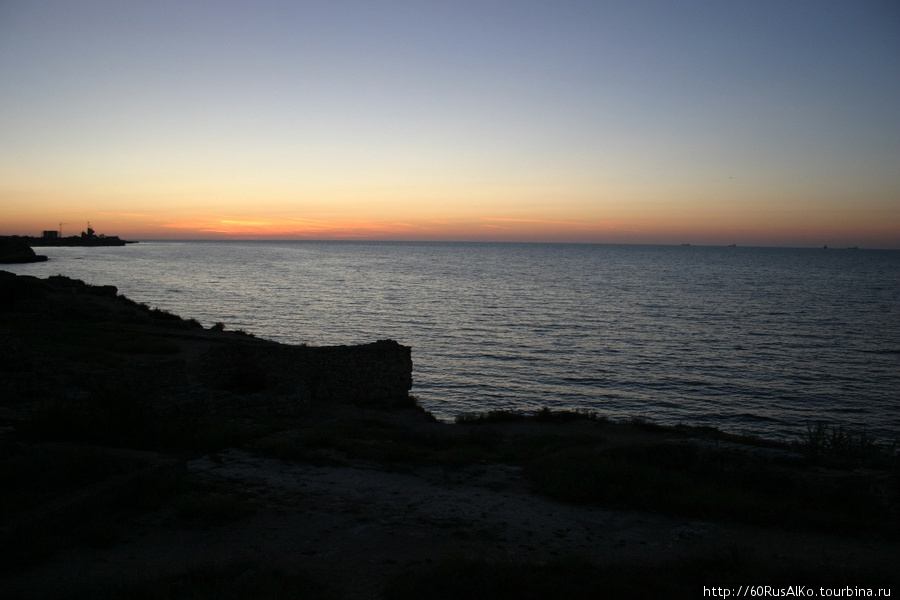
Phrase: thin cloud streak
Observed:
(540, 221)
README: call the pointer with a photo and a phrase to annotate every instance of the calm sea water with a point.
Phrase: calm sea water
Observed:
(759, 340)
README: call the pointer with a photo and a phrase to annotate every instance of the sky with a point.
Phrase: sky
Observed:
(773, 123)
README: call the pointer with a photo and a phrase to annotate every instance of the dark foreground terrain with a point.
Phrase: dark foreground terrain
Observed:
(131, 466)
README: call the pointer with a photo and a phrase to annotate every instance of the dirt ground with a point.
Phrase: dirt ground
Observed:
(355, 526)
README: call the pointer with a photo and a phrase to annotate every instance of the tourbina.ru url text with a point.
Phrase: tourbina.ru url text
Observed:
(794, 591)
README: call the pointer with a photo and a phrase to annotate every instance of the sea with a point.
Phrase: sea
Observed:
(764, 341)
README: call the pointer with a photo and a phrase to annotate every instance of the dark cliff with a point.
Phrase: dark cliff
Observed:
(69, 342)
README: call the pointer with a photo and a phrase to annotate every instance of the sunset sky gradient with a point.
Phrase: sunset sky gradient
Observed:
(756, 123)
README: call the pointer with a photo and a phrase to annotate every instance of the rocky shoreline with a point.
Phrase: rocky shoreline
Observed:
(173, 366)
(147, 456)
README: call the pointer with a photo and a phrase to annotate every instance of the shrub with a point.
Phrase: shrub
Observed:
(836, 446)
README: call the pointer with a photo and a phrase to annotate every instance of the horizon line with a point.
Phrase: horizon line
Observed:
(534, 242)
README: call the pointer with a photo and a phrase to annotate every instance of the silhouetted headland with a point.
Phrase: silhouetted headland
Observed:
(14, 250)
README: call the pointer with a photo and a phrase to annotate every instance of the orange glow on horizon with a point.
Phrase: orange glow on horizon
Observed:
(795, 228)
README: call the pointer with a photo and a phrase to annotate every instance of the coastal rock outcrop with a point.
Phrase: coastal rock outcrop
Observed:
(81, 344)
(16, 251)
